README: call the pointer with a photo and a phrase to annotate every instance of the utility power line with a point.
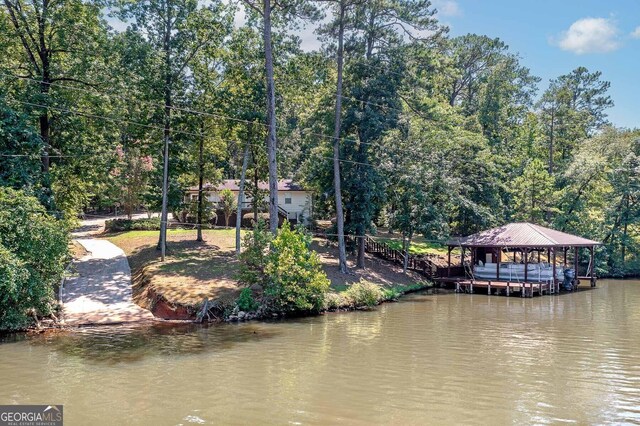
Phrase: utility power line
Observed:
(208, 113)
(204, 135)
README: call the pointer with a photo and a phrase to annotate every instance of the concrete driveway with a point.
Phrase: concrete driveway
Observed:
(100, 293)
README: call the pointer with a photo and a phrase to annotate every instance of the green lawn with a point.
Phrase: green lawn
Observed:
(195, 270)
(416, 247)
(192, 271)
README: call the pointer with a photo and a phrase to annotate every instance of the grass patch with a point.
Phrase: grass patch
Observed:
(192, 270)
(195, 270)
(416, 247)
(77, 250)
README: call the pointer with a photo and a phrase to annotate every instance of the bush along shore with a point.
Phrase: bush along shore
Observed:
(34, 251)
(362, 295)
(282, 277)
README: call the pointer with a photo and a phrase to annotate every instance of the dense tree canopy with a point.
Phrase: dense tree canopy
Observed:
(428, 134)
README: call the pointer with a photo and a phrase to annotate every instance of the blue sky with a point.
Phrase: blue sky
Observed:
(555, 37)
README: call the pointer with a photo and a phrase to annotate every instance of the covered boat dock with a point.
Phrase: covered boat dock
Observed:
(522, 258)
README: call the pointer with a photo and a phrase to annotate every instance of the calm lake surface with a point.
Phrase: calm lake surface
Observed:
(438, 359)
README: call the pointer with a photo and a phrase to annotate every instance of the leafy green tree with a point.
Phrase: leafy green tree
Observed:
(287, 269)
(534, 193)
(228, 204)
(133, 174)
(571, 109)
(373, 83)
(21, 147)
(287, 10)
(178, 30)
(48, 33)
(55, 50)
(33, 253)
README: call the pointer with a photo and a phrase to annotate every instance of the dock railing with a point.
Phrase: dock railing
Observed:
(422, 264)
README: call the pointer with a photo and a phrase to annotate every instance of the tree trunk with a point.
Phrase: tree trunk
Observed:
(42, 52)
(342, 251)
(254, 202)
(551, 136)
(624, 235)
(360, 236)
(271, 119)
(167, 131)
(245, 162)
(200, 187)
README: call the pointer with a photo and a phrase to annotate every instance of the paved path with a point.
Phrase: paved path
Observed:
(100, 293)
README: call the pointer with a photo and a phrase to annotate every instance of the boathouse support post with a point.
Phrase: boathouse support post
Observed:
(462, 262)
(449, 262)
(498, 258)
(553, 280)
(526, 264)
(593, 267)
(575, 265)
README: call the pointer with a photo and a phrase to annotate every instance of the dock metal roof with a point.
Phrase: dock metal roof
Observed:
(522, 235)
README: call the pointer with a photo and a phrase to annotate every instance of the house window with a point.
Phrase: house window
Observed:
(287, 198)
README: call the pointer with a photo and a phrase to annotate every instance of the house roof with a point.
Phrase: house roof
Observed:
(522, 235)
(234, 185)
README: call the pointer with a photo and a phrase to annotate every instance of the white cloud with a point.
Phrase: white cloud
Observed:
(590, 35)
(636, 33)
(447, 7)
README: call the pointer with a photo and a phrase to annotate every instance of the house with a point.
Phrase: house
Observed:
(294, 202)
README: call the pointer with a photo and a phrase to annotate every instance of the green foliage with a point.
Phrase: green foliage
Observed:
(208, 211)
(228, 204)
(253, 259)
(533, 193)
(33, 253)
(333, 301)
(286, 268)
(364, 294)
(438, 134)
(246, 302)
(18, 138)
(132, 175)
(392, 293)
(122, 225)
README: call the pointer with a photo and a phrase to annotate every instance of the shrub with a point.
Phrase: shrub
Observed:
(333, 301)
(253, 258)
(286, 268)
(33, 253)
(246, 302)
(364, 294)
(228, 204)
(122, 225)
(391, 293)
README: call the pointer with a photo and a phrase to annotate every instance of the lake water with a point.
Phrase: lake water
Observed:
(438, 359)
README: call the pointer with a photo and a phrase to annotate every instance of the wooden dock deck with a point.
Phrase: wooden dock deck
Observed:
(506, 288)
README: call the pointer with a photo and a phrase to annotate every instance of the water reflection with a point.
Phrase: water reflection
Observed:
(124, 344)
(434, 358)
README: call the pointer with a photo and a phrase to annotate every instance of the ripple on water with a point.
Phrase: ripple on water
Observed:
(129, 343)
(441, 358)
